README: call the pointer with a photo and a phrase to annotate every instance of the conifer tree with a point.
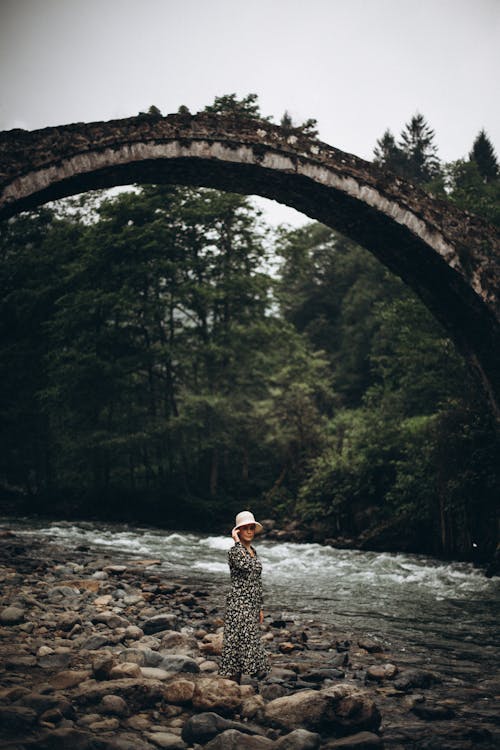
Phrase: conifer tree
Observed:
(484, 155)
(421, 163)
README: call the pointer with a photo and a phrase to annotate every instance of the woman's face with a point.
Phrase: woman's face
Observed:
(247, 532)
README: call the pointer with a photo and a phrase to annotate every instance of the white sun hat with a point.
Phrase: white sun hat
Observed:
(244, 518)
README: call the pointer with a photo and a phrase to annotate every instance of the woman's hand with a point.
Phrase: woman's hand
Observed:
(261, 616)
(235, 534)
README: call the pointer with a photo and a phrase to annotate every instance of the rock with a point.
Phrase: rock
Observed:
(69, 679)
(359, 741)
(17, 718)
(67, 737)
(216, 694)
(231, 739)
(166, 740)
(174, 642)
(271, 692)
(115, 569)
(253, 707)
(371, 646)
(299, 739)
(104, 725)
(160, 622)
(125, 742)
(155, 673)
(143, 656)
(178, 663)
(208, 666)
(286, 647)
(433, 712)
(282, 675)
(111, 619)
(43, 702)
(54, 661)
(12, 616)
(341, 706)
(380, 672)
(212, 644)
(138, 693)
(68, 620)
(179, 691)
(85, 584)
(125, 670)
(58, 593)
(95, 642)
(16, 662)
(113, 704)
(102, 666)
(103, 601)
(133, 632)
(416, 678)
(318, 675)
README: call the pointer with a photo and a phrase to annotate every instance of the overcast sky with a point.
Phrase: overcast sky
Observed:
(357, 66)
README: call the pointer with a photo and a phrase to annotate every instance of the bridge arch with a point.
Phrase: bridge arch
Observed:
(449, 257)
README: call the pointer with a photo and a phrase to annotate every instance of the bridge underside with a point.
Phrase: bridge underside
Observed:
(445, 258)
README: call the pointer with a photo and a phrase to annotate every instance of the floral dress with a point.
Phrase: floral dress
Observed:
(242, 650)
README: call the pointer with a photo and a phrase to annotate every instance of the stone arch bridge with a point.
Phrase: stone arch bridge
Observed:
(450, 258)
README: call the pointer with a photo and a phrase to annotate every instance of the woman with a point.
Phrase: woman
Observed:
(242, 650)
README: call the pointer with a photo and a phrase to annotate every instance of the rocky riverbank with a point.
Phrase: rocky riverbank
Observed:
(101, 653)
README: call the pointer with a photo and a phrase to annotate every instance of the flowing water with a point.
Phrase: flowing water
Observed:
(444, 614)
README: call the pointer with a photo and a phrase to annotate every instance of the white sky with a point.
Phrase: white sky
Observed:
(357, 66)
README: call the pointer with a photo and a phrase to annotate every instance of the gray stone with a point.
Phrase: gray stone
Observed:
(54, 661)
(68, 737)
(111, 619)
(178, 663)
(113, 704)
(160, 622)
(217, 694)
(359, 741)
(231, 739)
(12, 616)
(95, 642)
(141, 655)
(166, 740)
(125, 742)
(416, 678)
(299, 739)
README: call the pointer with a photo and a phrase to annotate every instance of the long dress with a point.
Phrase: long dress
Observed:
(242, 650)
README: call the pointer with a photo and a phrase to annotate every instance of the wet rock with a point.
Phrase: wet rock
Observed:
(133, 632)
(17, 718)
(178, 663)
(54, 660)
(138, 693)
(68, 737)
(104, 725)
(58, 593)
(359, 741)
(155, 673)
(212, 644)
(16, 662)
(125, 742)
(111, 619)
(231, 739)
(160, 622)
(95, 642)
(125, 670)
(68, 620)
(113, 704)
(318, 675)
(253, 707)
(381, 672)
(371, 646)
(416, 678)
(12, 616)
(341, 706)
(216, 694)
(69, 678)
(102, 666)
(433, 712)
(41, 703)
(299, 739)
(179, 691)
(272, 692)
(166, 740)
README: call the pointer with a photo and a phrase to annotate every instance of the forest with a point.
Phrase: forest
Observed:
(168, 359)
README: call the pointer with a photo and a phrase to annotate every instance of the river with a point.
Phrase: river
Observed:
(442, 614)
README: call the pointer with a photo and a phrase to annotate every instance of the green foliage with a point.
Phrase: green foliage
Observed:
(414, 156)
(229, 104)
(483, 154)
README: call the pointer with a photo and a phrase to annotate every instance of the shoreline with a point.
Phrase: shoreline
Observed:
(104, 651)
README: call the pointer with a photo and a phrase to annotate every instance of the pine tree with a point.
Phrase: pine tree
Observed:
(484, 155)
(387, 154)
(421, 163)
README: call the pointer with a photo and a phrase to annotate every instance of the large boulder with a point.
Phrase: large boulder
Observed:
(179, 691)
(137, 693)
(178, 663)
(342, 707)
(299, 739)
(160, 622)
(217, 694)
